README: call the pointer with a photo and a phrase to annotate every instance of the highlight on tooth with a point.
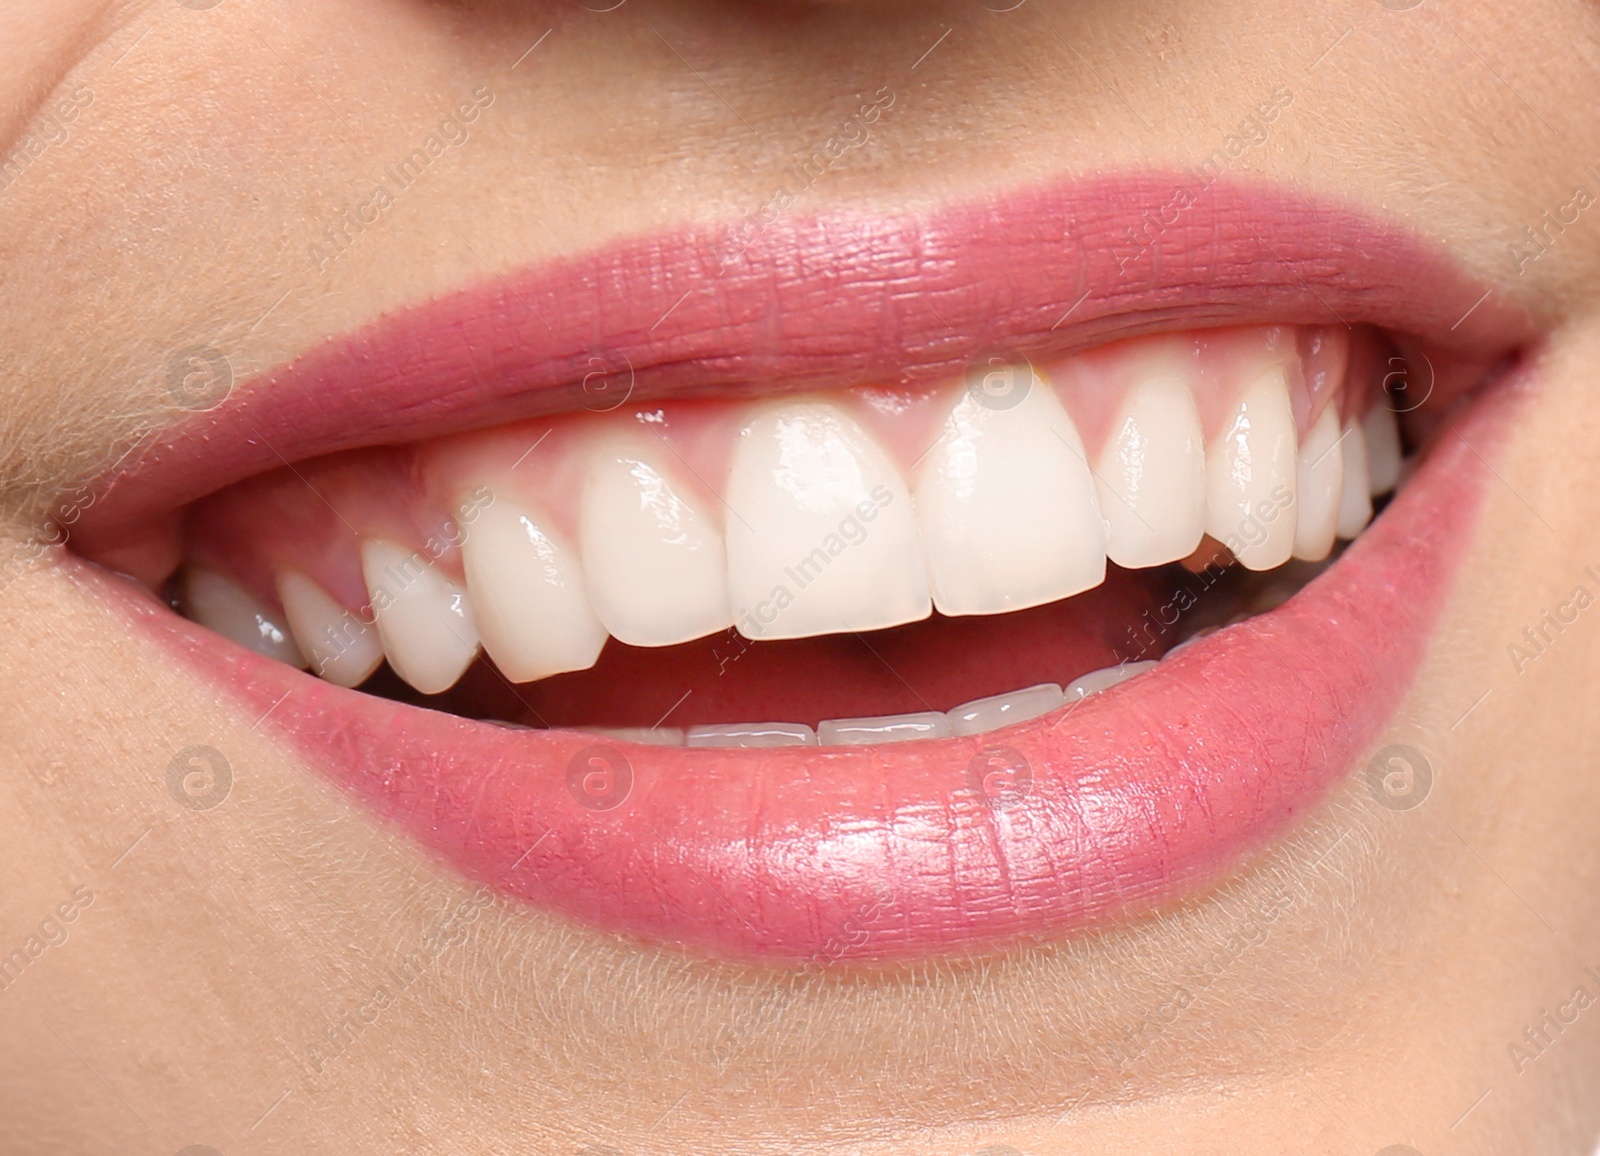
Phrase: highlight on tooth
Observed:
(822, 537)
(1251, 475)
(528, 583)
(652, 553)
(233, 612)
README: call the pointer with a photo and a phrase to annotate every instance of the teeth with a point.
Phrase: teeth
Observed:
(1007, 507)
(1382, 430)
(1250, 476)
(751, 735)
(1151, 474)
(812, 528)
(424, 619)
(528, 588)
(342, 648)
(894, 728)
(655, 563)
(651, 736)
(821, 534)
(1318, 487)
(221, 604)
(1355, 502)
(987, 714)
(1097, 680)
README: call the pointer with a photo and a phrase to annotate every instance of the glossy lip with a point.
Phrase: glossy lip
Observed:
(1102, 811)
(823, 302)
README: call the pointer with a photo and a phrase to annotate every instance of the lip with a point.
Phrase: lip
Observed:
(1128, 800)
(822, 302)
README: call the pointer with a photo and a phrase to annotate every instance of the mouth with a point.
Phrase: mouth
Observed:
(851, 588)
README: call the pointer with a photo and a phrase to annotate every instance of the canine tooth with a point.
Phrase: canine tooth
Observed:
(821, 534)
(893, 728)
(751, 735)
(424, 619)
(1319, 486)
(654, 561)
(222, 605)
(1250, 476)
(342, 647)
(1151, 474)
(1007, 507)
(528, 589)
(1097, 680)
(1355, 502)
(1382, 430)
(996, 711)
(651, 736)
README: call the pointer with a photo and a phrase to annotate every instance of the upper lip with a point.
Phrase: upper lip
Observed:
(777, 853)
(822, 302)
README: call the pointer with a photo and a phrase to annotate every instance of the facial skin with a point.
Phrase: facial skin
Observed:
(233, 983)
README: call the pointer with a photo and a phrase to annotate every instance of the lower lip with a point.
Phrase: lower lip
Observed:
(1138, 796)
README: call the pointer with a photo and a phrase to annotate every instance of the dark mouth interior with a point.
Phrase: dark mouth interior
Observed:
(936, 664)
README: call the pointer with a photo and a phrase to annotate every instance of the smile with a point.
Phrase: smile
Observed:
(903, 586)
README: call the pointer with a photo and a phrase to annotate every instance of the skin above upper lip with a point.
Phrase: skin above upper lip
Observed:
(1100, 811)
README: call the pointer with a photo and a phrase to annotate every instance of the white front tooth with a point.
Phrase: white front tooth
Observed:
(1151, 474)
(222, 605)
(650, 736)
(1007, 506)
(893, 728)
(751, 735)
(1097, 680)
(424, 619)
(996, 711)
(1250, 476)
(1355, 503)
(654, 560)
(342, 646)
(1381, 428)
(528, 589)
(821, 534)
(1318, 487)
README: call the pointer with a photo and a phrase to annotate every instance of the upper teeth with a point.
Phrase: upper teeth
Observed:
(1006, 507)
(821, 533)
(1151, 474)
(654, 557)
(537, 617)
(1251, 475)
(428, 628)
(816, 516)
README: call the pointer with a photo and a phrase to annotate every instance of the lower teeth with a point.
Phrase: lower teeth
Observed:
(977, 717)
(1260, 592)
